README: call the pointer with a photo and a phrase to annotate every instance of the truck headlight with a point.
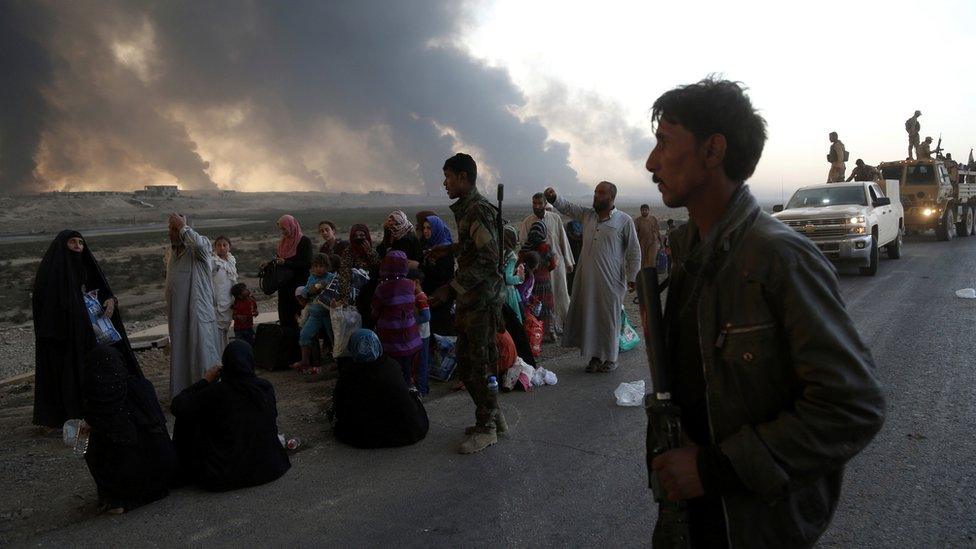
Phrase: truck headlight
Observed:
(858, 230)
(927, 212)
(857, 219)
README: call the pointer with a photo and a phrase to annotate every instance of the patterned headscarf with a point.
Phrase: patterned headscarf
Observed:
(288, 246)
(439, 233)
(365, 346)
(537, 235)
(400, 225)
(356, 250)
(510, 238)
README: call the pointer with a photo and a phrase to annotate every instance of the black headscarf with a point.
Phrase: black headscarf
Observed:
(238, 373)
(58, 303)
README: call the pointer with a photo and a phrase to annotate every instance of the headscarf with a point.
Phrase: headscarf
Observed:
(365, 346)
(422, 216)
(439, 233)
(537, 235)
(401, 225)
(106, 387)
(288, 246)
(510, 238)
(356, 250)
(238, 372)
(394, 265)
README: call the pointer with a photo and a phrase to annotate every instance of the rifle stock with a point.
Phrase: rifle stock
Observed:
(663, 416)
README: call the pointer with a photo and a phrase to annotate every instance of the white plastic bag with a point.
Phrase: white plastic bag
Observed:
(539, 376)
(630, 394)
(966, 293)
(345, 321)
(551, 378)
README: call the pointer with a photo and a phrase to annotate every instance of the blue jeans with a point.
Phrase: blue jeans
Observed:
(318, 318)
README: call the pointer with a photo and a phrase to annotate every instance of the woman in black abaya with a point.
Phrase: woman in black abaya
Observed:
(226, 431)
(130, 455)
(62, 330)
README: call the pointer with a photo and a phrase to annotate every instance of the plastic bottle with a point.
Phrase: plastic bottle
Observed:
(493, 385)
(293, 443)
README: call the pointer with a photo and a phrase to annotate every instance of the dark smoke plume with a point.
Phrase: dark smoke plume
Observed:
(113, 94)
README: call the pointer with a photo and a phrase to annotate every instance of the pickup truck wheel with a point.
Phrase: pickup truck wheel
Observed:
(965, 225)
(872, 269)
(947, 226)
(894, 247)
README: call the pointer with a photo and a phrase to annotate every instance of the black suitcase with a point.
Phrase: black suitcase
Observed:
(275, 348)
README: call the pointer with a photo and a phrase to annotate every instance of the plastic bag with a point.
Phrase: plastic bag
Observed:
(444, 358)
(105, 332)
(966, 293)
(630, 394)
(628, 335)
(533, 332)
(345, 321)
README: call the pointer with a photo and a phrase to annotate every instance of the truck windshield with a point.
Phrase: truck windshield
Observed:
(827, 196)
(892, 172)
(920, 174)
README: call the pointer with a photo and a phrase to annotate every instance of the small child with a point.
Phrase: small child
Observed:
(224, 276)
(245, 308)
(423, 324)
(318, 314)
(531, 262)
(394, 308)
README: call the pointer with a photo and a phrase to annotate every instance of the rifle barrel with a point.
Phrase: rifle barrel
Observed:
(652, 323)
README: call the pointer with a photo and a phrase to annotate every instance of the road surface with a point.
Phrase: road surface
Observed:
(572, 472)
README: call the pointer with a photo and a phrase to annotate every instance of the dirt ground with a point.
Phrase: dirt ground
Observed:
(47, 486)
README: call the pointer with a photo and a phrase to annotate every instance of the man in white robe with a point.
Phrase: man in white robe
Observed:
(190, 306)
(559, 245)
(610, 260)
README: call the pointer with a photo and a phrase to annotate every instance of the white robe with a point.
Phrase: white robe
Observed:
(224, 277)
(559, 244)
(609, 259)
(190, 311)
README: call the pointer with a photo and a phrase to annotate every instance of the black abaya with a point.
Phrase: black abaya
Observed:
(226, 432)
(299, 264)
(373, 407)
(130, 455)
(63, 332)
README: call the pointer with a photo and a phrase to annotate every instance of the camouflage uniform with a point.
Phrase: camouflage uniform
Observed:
(479, 288)
(837, 166)
(913, 127)
(923, 150)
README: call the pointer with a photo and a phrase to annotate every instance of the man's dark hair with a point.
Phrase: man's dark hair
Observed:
(461, 162)
(833, 134)
(718, 107)
(645, 206)
(224, 238)
(859, 161)
(237, 289)
(613, 188)
(329, 223)
(538, 196)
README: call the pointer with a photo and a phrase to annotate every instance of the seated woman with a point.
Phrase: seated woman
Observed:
(372, 407)
(226, 431)
(129, 453)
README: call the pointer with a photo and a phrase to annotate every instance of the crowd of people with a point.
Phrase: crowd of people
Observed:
(773, 385)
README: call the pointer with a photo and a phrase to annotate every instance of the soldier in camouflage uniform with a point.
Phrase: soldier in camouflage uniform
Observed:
(478, 289)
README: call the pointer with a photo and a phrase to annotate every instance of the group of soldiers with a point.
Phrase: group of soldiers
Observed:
(837, 155)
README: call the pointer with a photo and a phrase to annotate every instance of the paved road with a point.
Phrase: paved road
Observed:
(573, 473)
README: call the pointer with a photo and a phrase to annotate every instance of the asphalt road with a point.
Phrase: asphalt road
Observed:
(572, 472)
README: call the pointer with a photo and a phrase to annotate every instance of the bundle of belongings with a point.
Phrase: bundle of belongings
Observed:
(523, 377)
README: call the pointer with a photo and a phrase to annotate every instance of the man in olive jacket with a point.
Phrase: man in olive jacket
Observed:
(776, 388)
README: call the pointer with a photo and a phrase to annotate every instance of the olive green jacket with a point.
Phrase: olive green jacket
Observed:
(790, 385)
(478, 281)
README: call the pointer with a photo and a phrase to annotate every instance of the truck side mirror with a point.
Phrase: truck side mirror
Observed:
(777, 208)
(882, 201)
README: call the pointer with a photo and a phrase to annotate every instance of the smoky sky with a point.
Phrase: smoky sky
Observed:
(115, 92)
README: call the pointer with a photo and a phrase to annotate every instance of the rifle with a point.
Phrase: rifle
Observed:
(500, 225)
(663, 416)
(938, 147)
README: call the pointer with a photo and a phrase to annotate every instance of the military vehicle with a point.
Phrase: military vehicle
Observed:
(931, 200)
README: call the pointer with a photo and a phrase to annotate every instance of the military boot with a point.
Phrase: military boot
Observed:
(478, 440)
(501, 426)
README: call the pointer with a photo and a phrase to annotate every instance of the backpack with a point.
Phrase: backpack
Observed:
(273, 277)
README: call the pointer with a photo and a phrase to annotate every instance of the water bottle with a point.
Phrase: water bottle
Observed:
(493, 385)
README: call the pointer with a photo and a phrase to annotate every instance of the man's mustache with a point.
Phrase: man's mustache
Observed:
(656, 179)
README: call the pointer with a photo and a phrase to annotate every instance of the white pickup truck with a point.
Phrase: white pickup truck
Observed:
(849, 222)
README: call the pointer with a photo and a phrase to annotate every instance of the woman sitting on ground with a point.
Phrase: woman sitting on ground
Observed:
(63, 327)
(226, 431)
(129, 455)
(372, 407)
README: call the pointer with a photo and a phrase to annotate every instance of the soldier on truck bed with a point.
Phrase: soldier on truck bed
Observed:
(863, 172)
(924, 149)
(837, 157)
(913, 128)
